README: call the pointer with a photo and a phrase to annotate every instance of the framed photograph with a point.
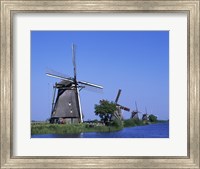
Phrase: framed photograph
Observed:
(99, 84)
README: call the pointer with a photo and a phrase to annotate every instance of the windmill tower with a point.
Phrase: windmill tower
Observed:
(66, 107)
(145, 116)
(134, 113)
(118, 112)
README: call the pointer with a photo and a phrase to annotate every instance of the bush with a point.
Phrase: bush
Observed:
(152, 118)
(117, 123)
(132, 122)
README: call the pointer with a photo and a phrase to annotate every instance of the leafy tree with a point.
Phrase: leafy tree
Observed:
(152, 118)
(105, 110)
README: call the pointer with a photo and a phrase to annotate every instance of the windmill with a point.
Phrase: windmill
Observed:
(66, 107)
(134, 113)
(145, 116)
(118, 112)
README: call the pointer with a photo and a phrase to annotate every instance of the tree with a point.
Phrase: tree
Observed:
(152, 118)
(105, 110)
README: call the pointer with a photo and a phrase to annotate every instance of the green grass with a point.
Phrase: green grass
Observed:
(45, 128)
(116, 125)
(134, 122)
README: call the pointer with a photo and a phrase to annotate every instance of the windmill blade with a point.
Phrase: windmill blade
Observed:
(74, 60)
(89, 88)
(58, 75)
(138, 111)
(118, 94)
(146, 110)
(136, 106)
(90, 84)
(123, 107)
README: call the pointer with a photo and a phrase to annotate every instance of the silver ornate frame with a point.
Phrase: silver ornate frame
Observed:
(10, 7)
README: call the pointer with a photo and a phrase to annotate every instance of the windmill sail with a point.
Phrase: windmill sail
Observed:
(58, 75)
(74, 60)
(90, 84)
(118, 94)
(136, 106)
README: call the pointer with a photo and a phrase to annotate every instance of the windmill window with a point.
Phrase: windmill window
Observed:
(71, 111)
(69, 103)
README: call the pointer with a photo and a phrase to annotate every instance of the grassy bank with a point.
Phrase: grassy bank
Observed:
(46, 128)
(134, 122)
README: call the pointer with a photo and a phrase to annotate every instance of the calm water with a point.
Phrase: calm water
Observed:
(160, 130)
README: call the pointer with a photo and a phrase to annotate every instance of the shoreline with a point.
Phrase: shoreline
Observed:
(47, 128)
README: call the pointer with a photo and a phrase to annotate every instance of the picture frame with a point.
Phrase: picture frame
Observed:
(10, 8)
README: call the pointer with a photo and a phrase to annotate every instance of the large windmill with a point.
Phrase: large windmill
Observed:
(134, 113)
(118, 112)
(66, 107)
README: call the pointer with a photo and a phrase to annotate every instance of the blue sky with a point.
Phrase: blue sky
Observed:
(137, 62)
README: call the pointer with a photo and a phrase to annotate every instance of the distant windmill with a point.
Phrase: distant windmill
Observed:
(118, 112)
(67, 107)
(134, 113)
(145, 116)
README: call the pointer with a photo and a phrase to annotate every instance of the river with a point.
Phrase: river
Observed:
(159, 130)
